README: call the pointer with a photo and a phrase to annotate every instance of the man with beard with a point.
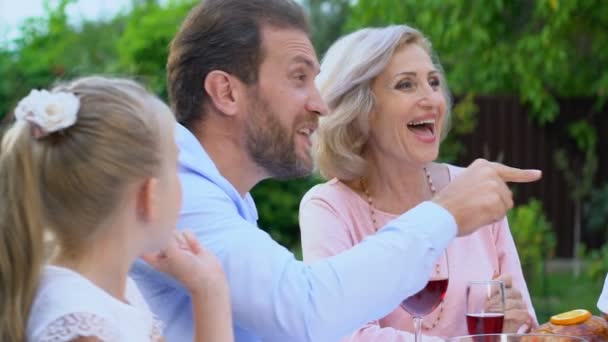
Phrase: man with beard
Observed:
(241, 82)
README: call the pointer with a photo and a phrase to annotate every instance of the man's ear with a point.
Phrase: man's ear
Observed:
(147, 197)
(224, 91)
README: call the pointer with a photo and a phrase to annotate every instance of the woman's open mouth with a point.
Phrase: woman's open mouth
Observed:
(423, 129)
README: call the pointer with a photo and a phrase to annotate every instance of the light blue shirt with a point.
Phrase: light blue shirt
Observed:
(274, 296)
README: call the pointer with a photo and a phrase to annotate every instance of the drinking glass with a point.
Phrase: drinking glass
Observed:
(427, 299)
(485, 307)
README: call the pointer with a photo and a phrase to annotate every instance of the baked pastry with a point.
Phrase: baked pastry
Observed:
(593, 329)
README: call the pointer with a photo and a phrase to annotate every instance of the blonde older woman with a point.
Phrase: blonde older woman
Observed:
(389, 111)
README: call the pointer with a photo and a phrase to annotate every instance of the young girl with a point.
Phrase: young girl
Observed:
(92, 165)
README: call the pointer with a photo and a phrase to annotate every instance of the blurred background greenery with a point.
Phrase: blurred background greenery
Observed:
(538, 51)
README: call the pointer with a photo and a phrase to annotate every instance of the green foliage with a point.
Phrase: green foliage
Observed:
(596, 211)
(51, 49)
(583, 134)
(533, 235)
(326, 19)
(278, 203)
(144, 45)
(7, 65)
(597, 263)
(463, 121)
(535, 49)
(579, 168)
(563, 292)
(130, 44)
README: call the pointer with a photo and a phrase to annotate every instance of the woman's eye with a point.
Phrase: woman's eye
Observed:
(405, 85)
(435, 82)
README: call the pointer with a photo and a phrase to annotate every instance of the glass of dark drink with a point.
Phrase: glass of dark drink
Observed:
(485, 307)
(427, 299)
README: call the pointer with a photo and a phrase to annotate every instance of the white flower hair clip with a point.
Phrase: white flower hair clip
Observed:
(47, 112)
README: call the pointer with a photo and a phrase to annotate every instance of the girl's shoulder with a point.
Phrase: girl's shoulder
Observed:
(68, 304)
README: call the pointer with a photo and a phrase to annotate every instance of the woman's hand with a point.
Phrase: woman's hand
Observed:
(189, 262)
(516, 312)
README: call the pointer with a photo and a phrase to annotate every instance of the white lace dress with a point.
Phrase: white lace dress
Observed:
(67, 305)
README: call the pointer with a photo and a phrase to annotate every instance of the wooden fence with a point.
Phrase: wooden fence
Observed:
(506, 133)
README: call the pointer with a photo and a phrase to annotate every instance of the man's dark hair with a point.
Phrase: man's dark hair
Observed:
(222, 35)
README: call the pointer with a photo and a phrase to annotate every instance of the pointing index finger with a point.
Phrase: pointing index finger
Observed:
(512, 174)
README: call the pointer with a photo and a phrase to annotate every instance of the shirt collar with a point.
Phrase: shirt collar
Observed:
(194, 159)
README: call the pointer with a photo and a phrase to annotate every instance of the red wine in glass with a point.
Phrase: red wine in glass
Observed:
(485, 309)
(485, 323)
(427, 299)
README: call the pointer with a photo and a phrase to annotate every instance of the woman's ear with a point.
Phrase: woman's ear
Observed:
(147, 198)
(224, 91)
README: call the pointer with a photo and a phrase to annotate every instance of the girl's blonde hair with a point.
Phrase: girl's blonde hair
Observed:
(347, 72)
(69, 182)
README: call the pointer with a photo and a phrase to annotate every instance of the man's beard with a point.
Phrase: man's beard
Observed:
(271, 146)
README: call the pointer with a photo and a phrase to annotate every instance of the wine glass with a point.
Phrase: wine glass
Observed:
(485, 307)
(427, 299)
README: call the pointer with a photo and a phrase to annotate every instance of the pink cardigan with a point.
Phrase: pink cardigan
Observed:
(333, 218)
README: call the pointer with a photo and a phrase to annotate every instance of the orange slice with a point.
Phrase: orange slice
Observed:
(571, 317)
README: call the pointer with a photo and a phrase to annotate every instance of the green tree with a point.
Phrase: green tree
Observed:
(533, 236)
(143, 47)
(7, 67)
(327, 18)
(579, 170)
(278, 204)
(51, 49)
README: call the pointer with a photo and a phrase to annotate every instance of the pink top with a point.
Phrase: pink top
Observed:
(334, 218)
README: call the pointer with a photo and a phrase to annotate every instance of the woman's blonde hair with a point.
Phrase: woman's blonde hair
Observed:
(347, 72)
(69, 182)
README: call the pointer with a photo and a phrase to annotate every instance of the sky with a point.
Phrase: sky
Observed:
(13, 12)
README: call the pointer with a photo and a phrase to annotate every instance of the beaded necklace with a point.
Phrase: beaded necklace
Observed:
(372, 213)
